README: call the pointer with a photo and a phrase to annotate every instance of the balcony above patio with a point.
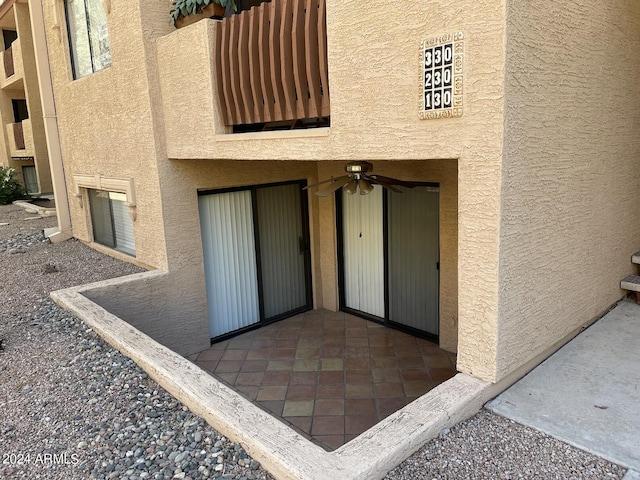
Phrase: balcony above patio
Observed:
(263, 69)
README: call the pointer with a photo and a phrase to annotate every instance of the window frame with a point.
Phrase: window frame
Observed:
(72, 43)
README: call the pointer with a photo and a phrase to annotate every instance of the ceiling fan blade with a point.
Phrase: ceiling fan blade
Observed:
(320, 183)
(385, 184)
(393, 181)
(336, 185)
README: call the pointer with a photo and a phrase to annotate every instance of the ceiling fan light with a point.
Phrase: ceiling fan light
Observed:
(365, 186)
(351, 187)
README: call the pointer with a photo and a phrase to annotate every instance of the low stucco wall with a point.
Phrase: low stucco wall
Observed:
(150, 302)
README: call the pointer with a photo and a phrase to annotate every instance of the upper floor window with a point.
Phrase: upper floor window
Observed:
(88, 36)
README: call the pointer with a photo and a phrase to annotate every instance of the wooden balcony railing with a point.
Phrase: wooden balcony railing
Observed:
(271, 63)
(18, 135)
(9, 68)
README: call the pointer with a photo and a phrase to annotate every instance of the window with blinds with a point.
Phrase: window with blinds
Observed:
(112, 225)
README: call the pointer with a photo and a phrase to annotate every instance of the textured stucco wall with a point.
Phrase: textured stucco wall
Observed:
(105, 120)
(571, 184)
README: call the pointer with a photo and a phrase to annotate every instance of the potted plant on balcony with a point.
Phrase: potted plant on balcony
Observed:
(186, 12)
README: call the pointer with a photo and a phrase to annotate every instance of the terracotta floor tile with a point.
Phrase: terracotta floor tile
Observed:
(338, 341)
(259, 354)
(358, 376)
(302, 378)
(248, 391)
(274, 406)
(276, 377)
(332, 352)
(437, 361)
(357, 341)
(293, 333)
(360, 406)
(283, 353)
(301, 392)
(330, 442)
(286, 343)
(226, 366)
(209, 366)
(306, 365)
(351, 321)
(220, 345)
(234, 355)
(310, 352)
(303, 423)
(210, 355)
(329, 315)
(272, 392)
(382, 352)
(229, 378)
(331, 390)
(411, 362)
(298, 408)
(328, 406)
(384, 390)
(380, 340)
(284, 364)
(328, 377)
(360, 333)
(263, 343)
(387, 406)
(253, 378)
(332, 324)
(408, 351)
(332, 364)
(240, 343)
(327, 425)
(440, 375)
(359, 390)
(254, 365)
(415, 375)
(357, 352)
(384, 362)
(386, 375)
(310, 342)
(311, 332)
(356, 424)
(417, 389)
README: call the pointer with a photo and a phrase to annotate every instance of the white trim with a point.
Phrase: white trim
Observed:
(111, 184)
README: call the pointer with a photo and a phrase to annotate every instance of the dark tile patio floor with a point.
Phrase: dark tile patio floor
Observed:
(328, 375)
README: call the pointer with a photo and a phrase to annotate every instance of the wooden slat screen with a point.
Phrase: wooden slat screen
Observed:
(18, 134)
(9, 68)
(271, 63)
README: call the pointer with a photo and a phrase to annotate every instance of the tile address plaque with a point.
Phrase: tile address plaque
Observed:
(442, 61)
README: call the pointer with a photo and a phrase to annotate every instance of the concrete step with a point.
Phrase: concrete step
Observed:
(631, 283)
(635, 258)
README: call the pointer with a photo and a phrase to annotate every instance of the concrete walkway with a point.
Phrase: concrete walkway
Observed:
(588, 393)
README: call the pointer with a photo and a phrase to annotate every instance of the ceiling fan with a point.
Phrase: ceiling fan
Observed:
(359, 176)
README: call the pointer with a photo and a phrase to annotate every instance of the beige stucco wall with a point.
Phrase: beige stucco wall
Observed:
(105, 120)
(571, 185)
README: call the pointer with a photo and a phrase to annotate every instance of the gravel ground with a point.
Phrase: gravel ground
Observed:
(488, 446)
(74, 408)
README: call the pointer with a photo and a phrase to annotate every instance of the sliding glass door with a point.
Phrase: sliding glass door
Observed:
(256, 255)
(390, 257)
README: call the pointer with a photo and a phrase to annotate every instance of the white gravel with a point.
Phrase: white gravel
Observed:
(71, 406)
(74, 408)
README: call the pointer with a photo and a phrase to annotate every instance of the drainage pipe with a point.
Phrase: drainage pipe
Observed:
(52, 134)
